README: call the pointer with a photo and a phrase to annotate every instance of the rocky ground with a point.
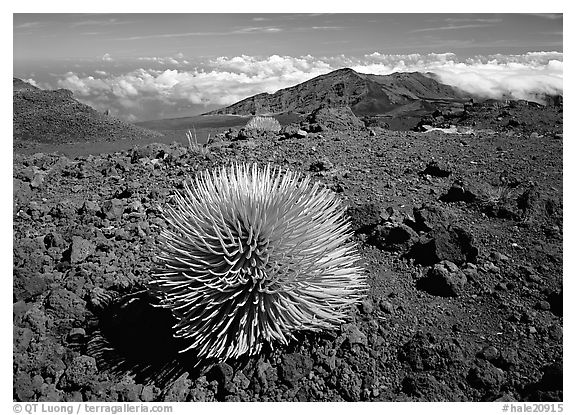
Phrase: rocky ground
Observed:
(54, 116)
(460, 236)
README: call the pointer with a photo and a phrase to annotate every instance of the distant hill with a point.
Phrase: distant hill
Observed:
(365, 94)
(54, 116)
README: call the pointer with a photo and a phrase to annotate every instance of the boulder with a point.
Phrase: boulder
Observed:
(451, 243)
(445, 280)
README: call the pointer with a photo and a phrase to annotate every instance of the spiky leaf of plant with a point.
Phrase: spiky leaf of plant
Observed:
(253, 254)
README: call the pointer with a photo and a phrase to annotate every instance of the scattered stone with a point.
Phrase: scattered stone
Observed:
(429, 217)
(241, 381)
(490, 267)
(484, 375)
(76, 335)
(459, 193)
(543, 305)
(425, 352)
(498, 257)
(221, 373)
(294, 367)
(23, 387)
(80, 249)
(386, 306)
(529, 274)
(555, 332)
(354, 335)
(293, 131)
(300, 134)
(393, 237)
(531, 204)
(436, 169)
(391, 215)
(231, 134)
(490, 353)
(54, 240)
(66, 304)
(244, 134)
(426, 386)
(179, 390)
(367, 306)
(445, 280)
(263, 374)
(28, 284)
(80, 373)
(321, 165)
(364, 218)
(507, 397)
(501, 286)
(37, 181)
(113, 209)
(453, 244)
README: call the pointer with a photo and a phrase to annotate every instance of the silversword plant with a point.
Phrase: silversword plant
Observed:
(260, 123)
(253, 254)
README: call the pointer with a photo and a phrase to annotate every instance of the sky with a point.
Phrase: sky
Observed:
(160, 65)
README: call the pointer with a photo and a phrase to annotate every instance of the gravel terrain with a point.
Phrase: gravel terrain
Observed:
(460, 236)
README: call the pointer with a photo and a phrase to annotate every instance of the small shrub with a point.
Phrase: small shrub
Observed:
(265, 124)
(194, 146)
(499, 195)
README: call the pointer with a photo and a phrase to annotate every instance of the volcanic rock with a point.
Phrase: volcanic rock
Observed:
(394, 237)
(321, 165)
(294, 367)
(364, 218)
(293, 131)
(444, 280)
(430, 217)
(113, 209)
(434, 168)
(459, 193)
(453, 244)
(28, 284)
(425, 352)
(354, 335)
(484, 375)
(80, 249)
(66, 304)
(80, 373)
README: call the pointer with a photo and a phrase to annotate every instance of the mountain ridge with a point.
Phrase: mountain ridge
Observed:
(55, 116)
(365, 94)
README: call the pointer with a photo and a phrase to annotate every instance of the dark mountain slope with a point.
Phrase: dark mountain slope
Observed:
(56, 117)
(364, 94)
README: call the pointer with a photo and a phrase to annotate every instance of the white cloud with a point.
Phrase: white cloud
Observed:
(148, 93)
(519, 76)
(107, 57)
(31, 82)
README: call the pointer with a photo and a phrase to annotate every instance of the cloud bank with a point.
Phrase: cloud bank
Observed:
(171, 86)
